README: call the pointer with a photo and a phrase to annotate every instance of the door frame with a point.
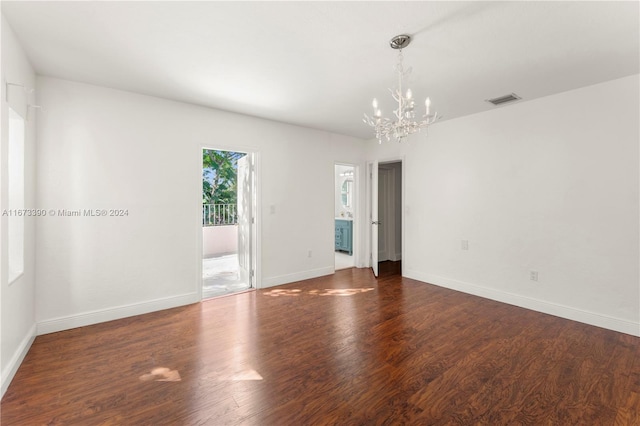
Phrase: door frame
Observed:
(256, 239)
(402, 161)
(372, 206)
(355, 228)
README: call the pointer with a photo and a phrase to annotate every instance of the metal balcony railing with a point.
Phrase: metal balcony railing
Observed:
(219, 214)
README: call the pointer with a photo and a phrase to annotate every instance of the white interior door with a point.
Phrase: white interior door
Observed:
(373, 215)
(245, 218)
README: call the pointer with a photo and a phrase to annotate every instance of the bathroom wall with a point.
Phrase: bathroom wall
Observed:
(340, 210)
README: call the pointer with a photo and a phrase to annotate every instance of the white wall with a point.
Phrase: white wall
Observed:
(549, 185)
(219, 240)
(100, 148)
(340, 209)
(17, 307)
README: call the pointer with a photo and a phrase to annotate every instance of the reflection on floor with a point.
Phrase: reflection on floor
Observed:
(344, 261)
(220, 276)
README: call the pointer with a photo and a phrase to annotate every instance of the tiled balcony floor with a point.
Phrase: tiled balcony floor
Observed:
(220, 276)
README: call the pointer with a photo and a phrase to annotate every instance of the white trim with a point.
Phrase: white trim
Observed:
(297, 276)
(16, 360)
(366, 224)
(110, 314)
(567, 312)
(257, 237)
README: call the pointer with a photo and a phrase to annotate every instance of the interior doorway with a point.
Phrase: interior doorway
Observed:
(389, 211)
(385, 213)
(344, 215)
(228, 222)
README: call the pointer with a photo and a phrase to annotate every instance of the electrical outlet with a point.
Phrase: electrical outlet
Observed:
(309, 253)
(533, 275)
(464, 244)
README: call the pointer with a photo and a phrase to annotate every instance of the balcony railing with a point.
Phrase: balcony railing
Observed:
(219, 214)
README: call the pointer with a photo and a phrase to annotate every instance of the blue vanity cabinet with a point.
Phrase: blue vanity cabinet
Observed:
(344, 236)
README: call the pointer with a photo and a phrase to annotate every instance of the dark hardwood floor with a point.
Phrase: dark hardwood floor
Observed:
(345, 349)
(388, 268)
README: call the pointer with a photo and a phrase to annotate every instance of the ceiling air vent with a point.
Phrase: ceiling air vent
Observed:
(504, 99)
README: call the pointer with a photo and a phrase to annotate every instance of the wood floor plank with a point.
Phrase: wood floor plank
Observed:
(346, 349)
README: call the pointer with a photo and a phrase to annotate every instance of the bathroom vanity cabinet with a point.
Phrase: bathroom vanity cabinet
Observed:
(344, 236)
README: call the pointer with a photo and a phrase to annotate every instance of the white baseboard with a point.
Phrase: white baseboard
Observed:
(12, 367)
(567, 312)
(118, 312)
(297, 276)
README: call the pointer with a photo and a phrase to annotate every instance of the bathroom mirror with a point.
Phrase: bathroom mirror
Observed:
(347, 192)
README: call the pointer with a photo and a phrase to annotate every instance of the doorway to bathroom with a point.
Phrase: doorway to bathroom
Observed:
(228, 222)
(344, 215)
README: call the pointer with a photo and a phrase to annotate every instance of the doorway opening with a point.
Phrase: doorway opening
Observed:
(344, 216)
(228, 222)
(385, 213)
(390, 218)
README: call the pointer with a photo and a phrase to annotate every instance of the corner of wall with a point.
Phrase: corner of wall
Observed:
(12, 366)
(17, 307)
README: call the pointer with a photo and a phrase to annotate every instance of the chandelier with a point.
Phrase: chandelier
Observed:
(404, 123)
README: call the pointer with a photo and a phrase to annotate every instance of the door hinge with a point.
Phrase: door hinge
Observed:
(253, 220)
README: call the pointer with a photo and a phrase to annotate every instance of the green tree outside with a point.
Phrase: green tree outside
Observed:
(219, 176)
(220, 187)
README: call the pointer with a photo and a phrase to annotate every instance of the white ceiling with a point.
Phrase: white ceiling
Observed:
(319, 64)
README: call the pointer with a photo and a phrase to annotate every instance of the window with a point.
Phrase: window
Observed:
(16, 195)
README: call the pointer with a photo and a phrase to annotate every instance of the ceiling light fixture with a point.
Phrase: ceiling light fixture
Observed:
(404, 123)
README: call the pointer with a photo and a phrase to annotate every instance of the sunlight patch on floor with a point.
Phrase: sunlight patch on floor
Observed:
(161, 374)
(241, 376)
(318, 292)
(340, 291)
(235, 376)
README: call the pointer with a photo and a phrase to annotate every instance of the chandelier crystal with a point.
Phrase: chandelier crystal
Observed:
(404, 123)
